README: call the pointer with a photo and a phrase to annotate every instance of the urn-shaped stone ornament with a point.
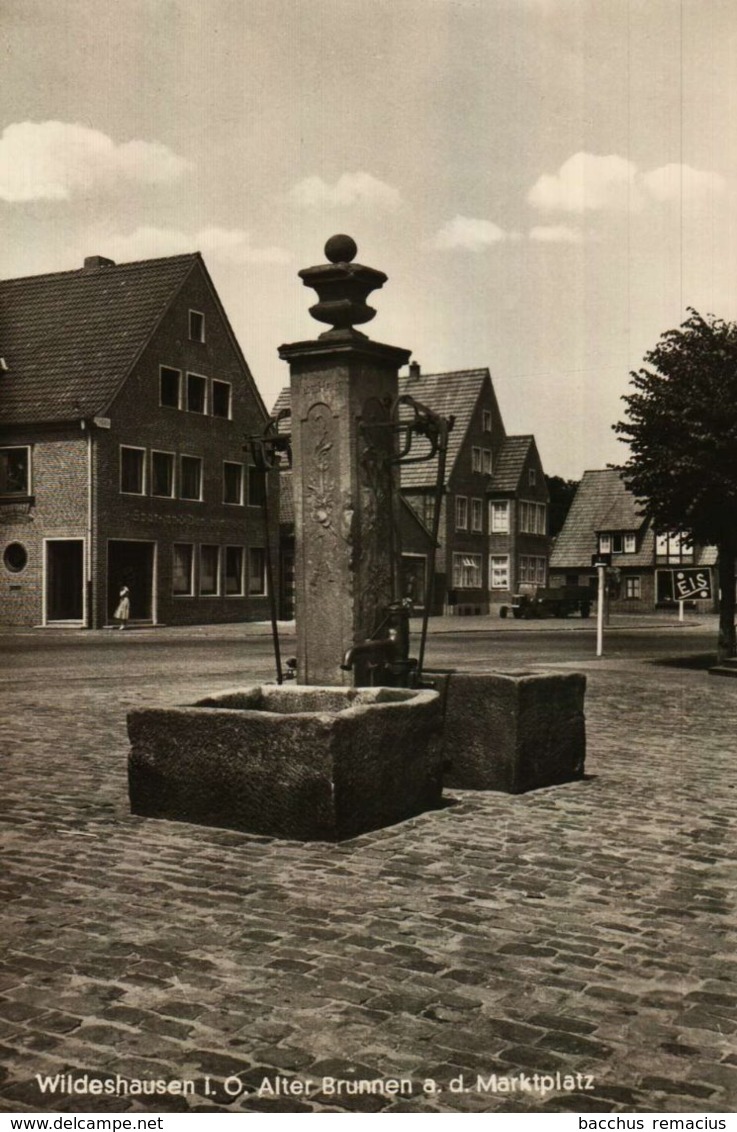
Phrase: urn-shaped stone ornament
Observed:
(342, 288)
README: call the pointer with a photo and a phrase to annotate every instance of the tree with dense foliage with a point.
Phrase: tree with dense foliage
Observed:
(561, 497)
(681, 427)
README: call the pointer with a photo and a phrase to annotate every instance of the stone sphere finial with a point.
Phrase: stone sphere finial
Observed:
(341, 249)
(342, 288)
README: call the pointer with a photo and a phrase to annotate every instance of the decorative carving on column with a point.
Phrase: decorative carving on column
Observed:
(374, 591)
(319, 480)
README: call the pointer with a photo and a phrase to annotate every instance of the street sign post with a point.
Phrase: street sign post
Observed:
(601, 562)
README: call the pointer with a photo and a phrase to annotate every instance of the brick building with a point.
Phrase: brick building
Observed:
(124, 404)
(605, 518)
(493, 522)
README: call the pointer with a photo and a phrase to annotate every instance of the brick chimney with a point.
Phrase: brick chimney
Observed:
(414, 371)
(93, 262)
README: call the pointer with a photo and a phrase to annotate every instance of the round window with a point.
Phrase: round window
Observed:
(15, 557)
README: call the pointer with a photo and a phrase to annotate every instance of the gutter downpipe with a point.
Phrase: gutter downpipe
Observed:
(87, 426)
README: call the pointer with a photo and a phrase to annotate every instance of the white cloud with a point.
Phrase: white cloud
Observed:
(587, 181)
(224, 245)
(350, 189)
(682, 182)
(55, 160)
(466, 232)
(556, 234)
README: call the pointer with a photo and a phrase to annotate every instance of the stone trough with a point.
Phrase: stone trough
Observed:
(309, 763)
(513, 731)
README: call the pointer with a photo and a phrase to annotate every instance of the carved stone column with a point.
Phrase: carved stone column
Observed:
(342, 386)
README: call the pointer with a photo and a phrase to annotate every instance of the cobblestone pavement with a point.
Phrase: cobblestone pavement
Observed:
(579, 930)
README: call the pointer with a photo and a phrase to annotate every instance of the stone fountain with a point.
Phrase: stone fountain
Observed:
(359, 741)
(328, 757)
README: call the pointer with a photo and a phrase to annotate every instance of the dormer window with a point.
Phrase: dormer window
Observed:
(531, 477)
(196, 326)
(618, 542)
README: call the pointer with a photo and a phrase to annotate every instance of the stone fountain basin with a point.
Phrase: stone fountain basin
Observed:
(301, 762)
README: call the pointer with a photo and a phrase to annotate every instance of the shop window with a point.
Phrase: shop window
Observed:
(209, 571)
(234, 571)
(256, 571)
(182, 562)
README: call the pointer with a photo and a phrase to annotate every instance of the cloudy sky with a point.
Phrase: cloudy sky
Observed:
(547, 183)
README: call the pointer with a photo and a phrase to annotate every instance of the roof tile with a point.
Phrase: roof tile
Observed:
(71, 337)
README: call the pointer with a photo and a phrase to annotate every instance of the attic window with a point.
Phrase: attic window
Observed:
(196, 326)
(531, 477)
(486, 420)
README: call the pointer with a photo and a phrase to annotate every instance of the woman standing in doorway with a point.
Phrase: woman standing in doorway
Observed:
(123, 610)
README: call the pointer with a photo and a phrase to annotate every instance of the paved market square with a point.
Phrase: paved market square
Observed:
(571, 949)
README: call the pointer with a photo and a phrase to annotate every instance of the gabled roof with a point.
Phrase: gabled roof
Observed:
(601, 497)
(510, 463)
(455, 394)
(71, 338)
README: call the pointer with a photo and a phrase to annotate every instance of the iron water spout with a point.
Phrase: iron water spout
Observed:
(381, 650)
(384, 660)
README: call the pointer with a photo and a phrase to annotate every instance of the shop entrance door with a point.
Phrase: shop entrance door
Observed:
(65, 579)
(131, 563)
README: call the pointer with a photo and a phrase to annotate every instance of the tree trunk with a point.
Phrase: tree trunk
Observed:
(727, 645)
